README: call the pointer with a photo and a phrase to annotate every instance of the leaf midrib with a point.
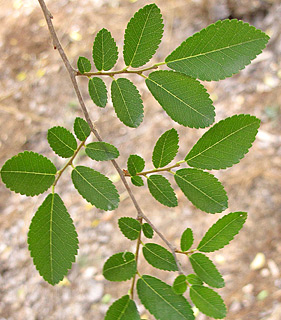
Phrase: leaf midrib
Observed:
(124, 102)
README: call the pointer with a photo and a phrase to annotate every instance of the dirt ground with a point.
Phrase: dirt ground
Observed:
(36, 93)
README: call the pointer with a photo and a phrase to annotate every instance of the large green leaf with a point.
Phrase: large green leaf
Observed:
(135, 164)
(81, 129)
(186, 239)
(52, 239)
(166, 148)
(123, 309)
(162, 191)
(218, 51)
(202, 189)
(105, 52)
(184, 99)
(180, 285)
(161, 301)
(143, 36)
(84, 65)
(28, 173)
(62, 141)
(121, 266)
(225, 143)
(127, 102)
(97, 91)
(206, 270)
(159, 257)
(101, 151)
(208, 301)
(222, 232)
(95, 188)
(147, 230)
(130, 227)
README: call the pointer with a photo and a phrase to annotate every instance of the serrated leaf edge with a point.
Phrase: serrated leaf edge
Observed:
(127, 218)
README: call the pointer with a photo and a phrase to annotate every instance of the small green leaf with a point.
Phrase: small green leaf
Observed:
(81, 129)
(194, 279)
(127, 102)
(137, 181)
(225, 144)
(206, 270)
(52, 239)
(159, 257)
(28, 173)
(84, 65)
(62, 141)
(105, 52)
(129, 227)
(208, 301)
(147, 230)
(95, 188)
(161, 189)
(123, 309)
(218, 51)
(183, 98)
(143, 36)
(180, 285)
(166, 148)
(135, 164)
(121, 266)
(97, 91)
(101, 151)
(202, 189)
(187, 239)
(161, 301)
(222, 232)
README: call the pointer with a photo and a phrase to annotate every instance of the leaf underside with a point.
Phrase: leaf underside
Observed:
(97, 91)
(81, 129)
(129, 227)
(123, 309)
(101, 151)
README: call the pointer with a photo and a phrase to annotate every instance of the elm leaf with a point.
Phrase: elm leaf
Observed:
(123, 309)
(147, 230)
(81, 129)
(135, 164)
(180, 285)
(101, 151)
(97, 91)
(84, 65)
(186, 239)
(130, 227)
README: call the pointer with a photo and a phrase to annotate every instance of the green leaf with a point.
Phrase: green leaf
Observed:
(121, 266)
(143, 36)
(52, 239)
(81, 129)
(222, 232)
(127, 102)
(105, 52)
(218, 51)
(161, 189)
(101, 151)
(28, 173)
(62, 141)
(180, 285)
(97, 91)
(95, 188)
(159, 257)
(184, 99)
(225, 143)
(208, 301)
(206, 270)
(84, 65)
(202, 189)
(166, 148)
(123, 309)
(129, 227)
(194, 279)
(137, 181)
(135, 164)
(187, 239)
(147, 230)
(161, 301)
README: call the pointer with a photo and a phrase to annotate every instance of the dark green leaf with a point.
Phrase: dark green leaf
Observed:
(135, 164)
(194, 279)
(81, 129)
(147, 230)
(180, 285)
(123, 309)
(101, 151)
(84, 65)
(97, 91)
(137, 181)
(187, 239)
(129, 227)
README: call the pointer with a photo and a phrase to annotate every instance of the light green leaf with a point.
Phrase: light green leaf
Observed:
(52, 239)
(143, 36)
(161, 301)
(187, 239)
(208, 301)
(105, 52)
(159, 257)
(127, 102)
(183, 98)
(194, 279)
(97, 91)
(81, 129)
(101, 151)
(135, 164)
(180, 285)
(161, 189)
(121, 266)
(123, 309)
(206, 270)
(137, 181)
(129, 227)
(166, 148)
(62, 141)
(202, 189)
(147, 230)
(28, 173)
(218, 51)
(95, 188)
(222, 232)
(84, 65)
(225, 143)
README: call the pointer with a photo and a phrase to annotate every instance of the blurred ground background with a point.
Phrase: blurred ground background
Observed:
(35, 93)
